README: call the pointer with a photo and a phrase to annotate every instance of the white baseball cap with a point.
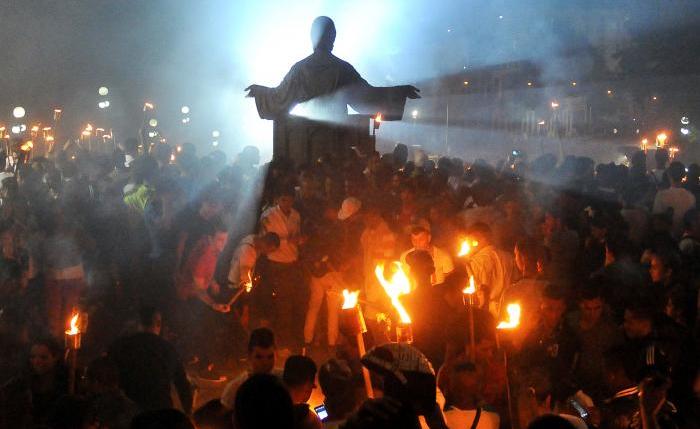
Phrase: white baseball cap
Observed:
(349, 207)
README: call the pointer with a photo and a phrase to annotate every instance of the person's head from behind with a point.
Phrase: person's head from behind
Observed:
(338, 387)
(534, 395)
(400, 155)
(638, 319)
(481, 233)
(661, 157)
(262, 402)
(553, 306)
(323, 34)
(591, 304)
(45, 355)
(162, 153)
(213, 415)
(267, 243)
(663, 262)
(150, 319)
(676, 173)
(299, 376)
(617, 247)
(529, 256)
(261, 351)
(162, 419)
(422, 266)
(102, 376)
(464, 386)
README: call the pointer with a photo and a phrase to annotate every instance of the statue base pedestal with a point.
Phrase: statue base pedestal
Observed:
(304, 141)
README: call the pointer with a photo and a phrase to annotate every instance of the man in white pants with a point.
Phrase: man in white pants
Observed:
(324, 262)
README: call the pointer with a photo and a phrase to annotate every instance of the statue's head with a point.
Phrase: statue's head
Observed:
(323, 33)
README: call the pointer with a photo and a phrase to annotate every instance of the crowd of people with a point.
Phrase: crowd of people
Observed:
(199, 268)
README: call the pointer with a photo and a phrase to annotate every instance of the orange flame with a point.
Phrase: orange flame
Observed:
(395, 287)
(471, 289)
(26, 147)
(513, 321)
(661, 139)
(350, 299)
(74, 329)
(378, 117)
(248, 285)
(466, 246)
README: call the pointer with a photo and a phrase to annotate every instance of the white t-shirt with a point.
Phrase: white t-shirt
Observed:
(463, 419)
(287, 228)
(680, 200)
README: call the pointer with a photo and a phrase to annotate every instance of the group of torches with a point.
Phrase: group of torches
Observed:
(397, 285)
(660, 143)
(352, 320)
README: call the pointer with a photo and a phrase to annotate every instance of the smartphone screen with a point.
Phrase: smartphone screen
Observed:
(579, 408)
(321, 412)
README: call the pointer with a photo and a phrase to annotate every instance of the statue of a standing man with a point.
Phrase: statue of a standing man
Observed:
(326, 85)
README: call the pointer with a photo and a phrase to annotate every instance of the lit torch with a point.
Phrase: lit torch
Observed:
(513, 321)
(513, 310)
(396, 287)
(73, 339)
(465, 248)
(353, 324)
(245, 287)
(469, 292)
(661, 139)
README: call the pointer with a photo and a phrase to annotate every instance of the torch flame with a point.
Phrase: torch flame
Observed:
(350, 299)
(661, 139)
(471, 289)
(466, 247)
(378, 117)
(74, 329)
(513, 321)
(248, 285)
(397, 286)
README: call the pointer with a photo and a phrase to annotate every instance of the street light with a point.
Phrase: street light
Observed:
(18, 112)
(103, 90)
(185, 110)
(215, 134)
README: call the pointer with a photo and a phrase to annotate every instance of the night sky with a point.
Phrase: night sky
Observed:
(203, 53)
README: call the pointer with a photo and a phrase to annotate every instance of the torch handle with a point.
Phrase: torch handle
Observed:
(236, 296)
(72, 370)
(365, 371)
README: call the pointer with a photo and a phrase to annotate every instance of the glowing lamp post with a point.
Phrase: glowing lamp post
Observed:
(397, 286)
(353, 324)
